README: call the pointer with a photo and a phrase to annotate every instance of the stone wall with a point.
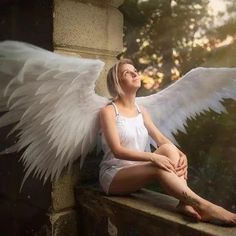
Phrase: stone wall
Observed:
(92, 29)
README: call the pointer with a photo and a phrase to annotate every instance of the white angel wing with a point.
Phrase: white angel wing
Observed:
(198, 91)
(52, 99)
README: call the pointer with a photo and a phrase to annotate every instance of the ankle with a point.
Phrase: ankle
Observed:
(203, 205)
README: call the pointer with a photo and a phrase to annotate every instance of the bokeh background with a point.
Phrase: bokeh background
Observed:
(166, 39)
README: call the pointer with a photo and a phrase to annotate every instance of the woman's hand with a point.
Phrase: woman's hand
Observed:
(163, 162)
(182, 166)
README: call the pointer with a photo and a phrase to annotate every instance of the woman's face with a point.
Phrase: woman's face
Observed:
(129, 78)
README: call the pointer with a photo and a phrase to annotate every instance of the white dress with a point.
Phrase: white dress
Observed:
(133, 135)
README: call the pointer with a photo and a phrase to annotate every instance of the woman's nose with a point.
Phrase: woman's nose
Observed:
(134, 73)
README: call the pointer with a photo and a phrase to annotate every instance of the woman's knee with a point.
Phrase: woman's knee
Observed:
(167, 149)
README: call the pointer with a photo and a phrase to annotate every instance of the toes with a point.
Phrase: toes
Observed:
(198, 216)
(234, 221)
(189, 211)
(195, 215)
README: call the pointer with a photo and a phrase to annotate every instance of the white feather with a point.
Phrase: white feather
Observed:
(48, 96)
(199, 90)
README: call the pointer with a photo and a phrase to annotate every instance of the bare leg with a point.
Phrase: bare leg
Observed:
(132, 178)
(171, 152)
(208, 211)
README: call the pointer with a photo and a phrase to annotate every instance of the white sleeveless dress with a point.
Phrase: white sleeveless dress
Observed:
(133, 135)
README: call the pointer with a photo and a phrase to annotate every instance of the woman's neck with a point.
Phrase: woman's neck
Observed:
(127, 101)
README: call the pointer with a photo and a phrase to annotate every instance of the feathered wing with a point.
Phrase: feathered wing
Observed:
(200, 90)
(52, 99)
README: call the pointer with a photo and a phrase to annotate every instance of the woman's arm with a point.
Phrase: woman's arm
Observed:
(160, 139)
(153, 131)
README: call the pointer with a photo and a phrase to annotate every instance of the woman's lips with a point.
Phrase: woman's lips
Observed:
(135, 79)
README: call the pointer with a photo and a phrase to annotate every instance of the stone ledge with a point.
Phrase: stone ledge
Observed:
(141, 213)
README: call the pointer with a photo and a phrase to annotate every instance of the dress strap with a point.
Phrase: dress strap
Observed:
(139, 111)
(115, 107)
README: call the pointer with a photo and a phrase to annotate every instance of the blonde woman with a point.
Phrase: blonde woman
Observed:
(128, 164)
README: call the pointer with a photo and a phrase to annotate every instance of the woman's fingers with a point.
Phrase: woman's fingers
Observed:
(181, 167)
(186, 174)
(171, 166)
(181, 161)
(168, 167)
(166, 164)
(182, 172)
(171, 162)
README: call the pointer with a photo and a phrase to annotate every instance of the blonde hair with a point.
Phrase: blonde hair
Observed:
(113, 83)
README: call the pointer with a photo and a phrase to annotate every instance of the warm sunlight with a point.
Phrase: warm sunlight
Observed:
(216, 6)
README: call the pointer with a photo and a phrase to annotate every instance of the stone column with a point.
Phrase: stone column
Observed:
(91, 29)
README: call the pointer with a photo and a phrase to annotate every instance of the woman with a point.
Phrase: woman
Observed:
(128, 164)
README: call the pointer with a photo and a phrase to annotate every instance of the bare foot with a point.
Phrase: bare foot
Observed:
(217, 215)
(188, 210)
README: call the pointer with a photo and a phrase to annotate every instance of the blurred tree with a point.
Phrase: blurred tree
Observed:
(167, 38)
(159, 35)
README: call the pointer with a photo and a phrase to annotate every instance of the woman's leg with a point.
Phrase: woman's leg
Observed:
(172, 153)
(132, 178)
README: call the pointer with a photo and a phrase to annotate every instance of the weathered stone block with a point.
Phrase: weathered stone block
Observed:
(64, 224)
(102, 30)
(63, 196)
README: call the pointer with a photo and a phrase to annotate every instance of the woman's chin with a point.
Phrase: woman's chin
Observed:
(137, 84)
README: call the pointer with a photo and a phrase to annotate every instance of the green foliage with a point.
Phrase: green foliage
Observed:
(211, 148)
(158, 28)
(179, 35)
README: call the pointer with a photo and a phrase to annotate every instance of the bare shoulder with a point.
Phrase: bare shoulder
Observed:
(107, 111)
(145, 113)
(143, 110)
